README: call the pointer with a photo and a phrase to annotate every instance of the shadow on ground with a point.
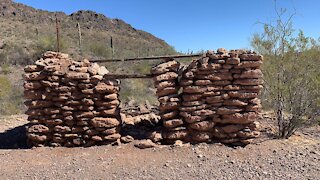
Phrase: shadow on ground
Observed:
(14, 138)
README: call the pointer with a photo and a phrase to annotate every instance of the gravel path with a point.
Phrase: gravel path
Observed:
(295, 158)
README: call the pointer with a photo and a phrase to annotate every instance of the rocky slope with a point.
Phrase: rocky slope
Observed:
(27, 31)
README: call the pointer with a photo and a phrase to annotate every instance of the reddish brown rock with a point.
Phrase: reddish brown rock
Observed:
(232, 128)
(202, 125)
(172, 123)
(38, 129)
(100, 122)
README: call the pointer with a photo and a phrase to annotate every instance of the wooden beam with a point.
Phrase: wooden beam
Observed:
(148, 58)
(127, 76)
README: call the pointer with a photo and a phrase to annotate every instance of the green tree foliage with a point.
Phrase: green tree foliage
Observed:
(291, 70)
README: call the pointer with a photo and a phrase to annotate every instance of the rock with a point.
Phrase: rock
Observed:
(32, 68)
(126, 139)
(40, 63)
(167, 91)
(242, 94)
(192, 97)
(166, 76)
(248, 82)
(169, 106)
(110, 131)
(194, 89)
(38, 129)
(77, 76)
(202, 82)
(34, 76)
(222, 51)
(202, 126)
(165, 84)
(112, 137)
(111, 97)
(251, 57)
(256, 73)
(38, 104)
(104, 88)
(165, 67)
(192, 119)
(176, 135)
(234, 102)
(228, 110)
(169, 98)
(100, 122)
(178, 143)
(32, 85)
(103, 71)
(250, 134)
(249, 64)
(201, 136)
(172, 123)
(214, 99)
(169, 115)
(62, 129)
(232, 128)
(143, 144)
(191, 103)
(37, 138)
(155, 136)
(238, 118)
(93, 69)
(185, 82)
(233, 61)
(97, 138)
(96, 78)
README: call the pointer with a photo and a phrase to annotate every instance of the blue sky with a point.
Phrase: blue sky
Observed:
(195, 24)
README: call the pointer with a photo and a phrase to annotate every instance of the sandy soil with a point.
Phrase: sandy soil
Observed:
(295, 158)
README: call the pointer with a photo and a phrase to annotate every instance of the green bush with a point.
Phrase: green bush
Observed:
(11, 101)
(99, 49)
(138, 90)
(291, 74)
(5, 68)
(5, 86)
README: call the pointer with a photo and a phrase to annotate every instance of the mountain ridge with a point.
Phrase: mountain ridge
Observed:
(25, 27)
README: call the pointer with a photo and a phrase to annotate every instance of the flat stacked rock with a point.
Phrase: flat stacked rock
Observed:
(166, 82)
(220, 97)
(70, 103)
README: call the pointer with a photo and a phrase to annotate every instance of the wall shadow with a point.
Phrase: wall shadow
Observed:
(14, 138)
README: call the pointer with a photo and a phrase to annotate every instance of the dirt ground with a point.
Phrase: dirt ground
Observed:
(295, 158)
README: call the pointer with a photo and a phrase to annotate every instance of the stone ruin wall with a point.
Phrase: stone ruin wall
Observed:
(213, 99)
(70, 103)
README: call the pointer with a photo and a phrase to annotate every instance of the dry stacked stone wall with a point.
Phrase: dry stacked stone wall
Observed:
(70, 103)
(166, 82)
(219, 98)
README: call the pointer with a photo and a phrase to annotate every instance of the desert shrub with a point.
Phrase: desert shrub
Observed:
(49, 43)
(138, 90)
(290, 72)
(144, 67)
(5, 86)
(99, 50)
(10, 97)
(5, 68)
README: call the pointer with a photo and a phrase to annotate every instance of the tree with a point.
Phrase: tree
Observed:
(291, 73)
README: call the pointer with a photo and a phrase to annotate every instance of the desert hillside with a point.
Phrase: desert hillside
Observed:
(27, 32)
